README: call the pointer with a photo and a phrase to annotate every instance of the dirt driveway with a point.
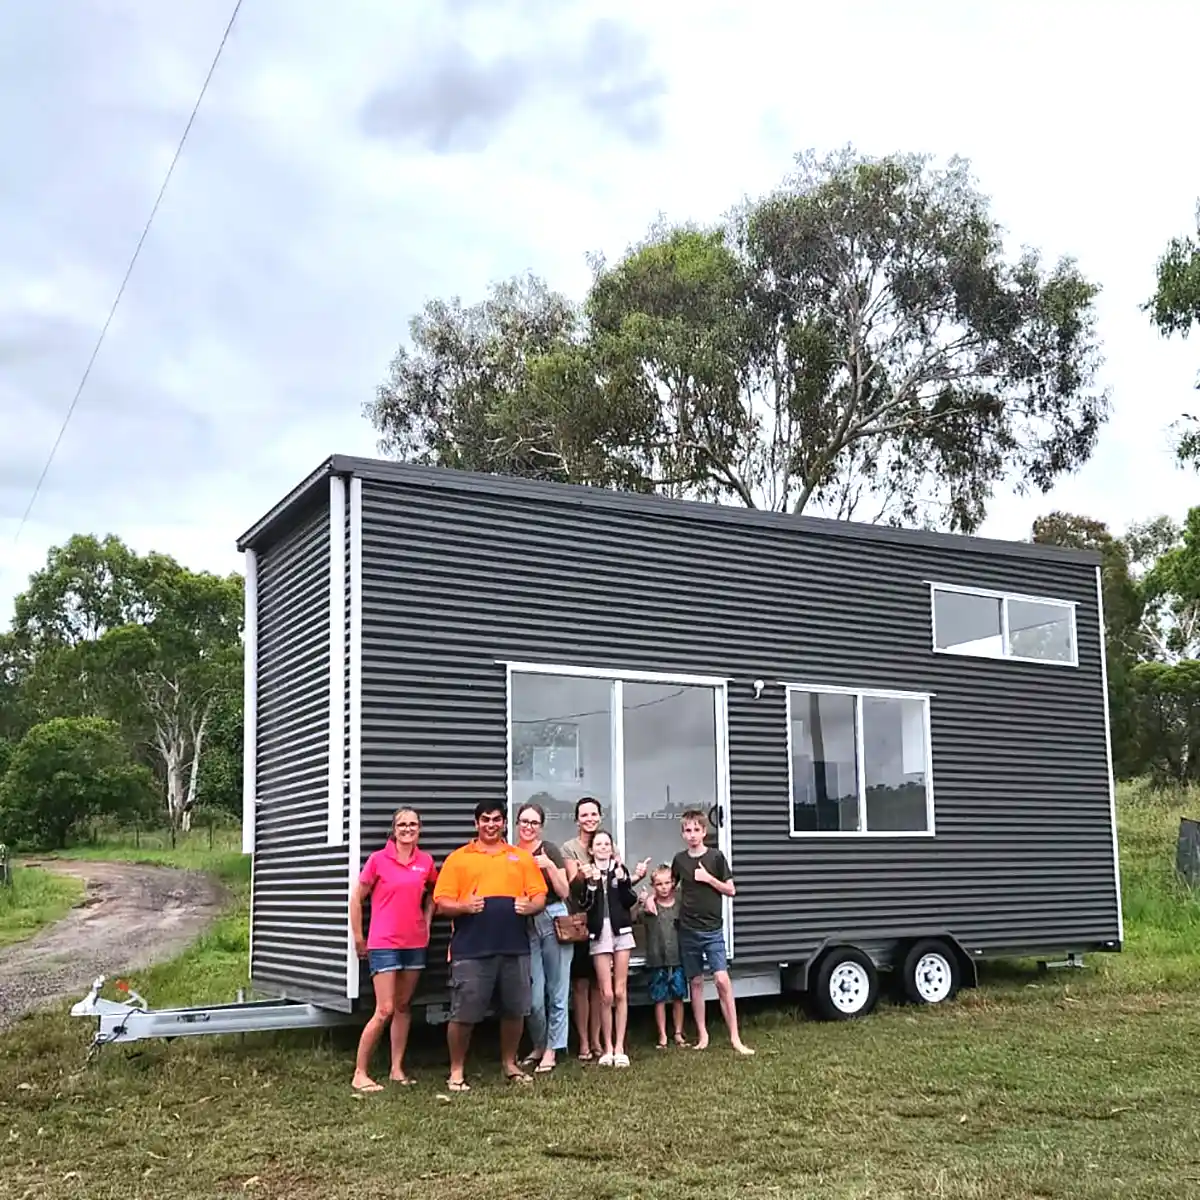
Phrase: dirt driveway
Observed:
(131, 917)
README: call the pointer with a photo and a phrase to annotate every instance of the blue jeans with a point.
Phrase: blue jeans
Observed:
(699, 948)
(550, 962)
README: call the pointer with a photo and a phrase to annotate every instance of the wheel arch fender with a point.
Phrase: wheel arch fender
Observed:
(968, 974)
(967, 968)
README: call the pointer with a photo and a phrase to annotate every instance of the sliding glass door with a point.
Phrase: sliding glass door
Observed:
(646, 747)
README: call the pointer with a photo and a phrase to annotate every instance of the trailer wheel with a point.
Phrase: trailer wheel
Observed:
(929, 973)
(845, 985)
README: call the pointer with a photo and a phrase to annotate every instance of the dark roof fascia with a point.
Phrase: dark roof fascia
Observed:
(412, 475)
(278, 516)
(385, 471)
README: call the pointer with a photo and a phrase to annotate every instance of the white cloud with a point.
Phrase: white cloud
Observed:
(298, 237)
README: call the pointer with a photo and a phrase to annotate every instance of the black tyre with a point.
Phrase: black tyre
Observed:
(929, 973)
(844, 986)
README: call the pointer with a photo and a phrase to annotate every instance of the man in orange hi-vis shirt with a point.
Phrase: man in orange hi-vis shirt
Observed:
(489, 889)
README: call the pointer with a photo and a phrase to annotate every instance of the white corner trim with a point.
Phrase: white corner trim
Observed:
(250, 705)
(1112, 785)
(355, 732)
(337, 658)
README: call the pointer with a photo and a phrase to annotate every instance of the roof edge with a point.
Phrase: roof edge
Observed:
(276, 515)
(452, 479)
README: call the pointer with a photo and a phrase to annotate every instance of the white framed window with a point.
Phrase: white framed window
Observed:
(646, 745)
(987, 624)
(859, 762)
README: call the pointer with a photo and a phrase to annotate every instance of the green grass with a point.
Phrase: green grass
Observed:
(36, 898)
(1075, 1084)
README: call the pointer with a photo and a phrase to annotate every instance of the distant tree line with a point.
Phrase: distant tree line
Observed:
(120, 693)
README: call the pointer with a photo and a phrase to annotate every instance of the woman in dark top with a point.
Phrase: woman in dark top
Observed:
(549, 959)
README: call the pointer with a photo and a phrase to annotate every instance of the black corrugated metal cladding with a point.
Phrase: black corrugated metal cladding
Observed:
(300, 882)
(455, 579)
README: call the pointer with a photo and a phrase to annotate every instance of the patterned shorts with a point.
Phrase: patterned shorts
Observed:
(667, 983)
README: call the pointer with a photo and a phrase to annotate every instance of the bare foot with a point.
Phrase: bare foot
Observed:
(742, 1048)
(362, 1082)
(701, 1042)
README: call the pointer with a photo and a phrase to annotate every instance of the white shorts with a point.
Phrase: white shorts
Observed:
(606, 943)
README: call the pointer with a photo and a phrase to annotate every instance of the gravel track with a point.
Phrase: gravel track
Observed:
(131, 917)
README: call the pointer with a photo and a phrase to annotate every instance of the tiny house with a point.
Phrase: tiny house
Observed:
(901, 737)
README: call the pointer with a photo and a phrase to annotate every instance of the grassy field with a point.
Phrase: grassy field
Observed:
(36, 898)
(1076, 1084)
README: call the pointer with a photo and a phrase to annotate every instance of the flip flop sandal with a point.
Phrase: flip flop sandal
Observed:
(367, 1087)
(620, 1060)
(457, 1085)
(518, 1077)
(660, 1045)
(587, 1058)
(407, 1081)
(544, 1069)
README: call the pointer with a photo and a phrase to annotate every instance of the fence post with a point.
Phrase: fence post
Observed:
(210, 835)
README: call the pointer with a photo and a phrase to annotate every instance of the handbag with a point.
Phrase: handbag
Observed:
(571, 928)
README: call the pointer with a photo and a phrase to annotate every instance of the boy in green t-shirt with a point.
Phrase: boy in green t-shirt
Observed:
(704, 877)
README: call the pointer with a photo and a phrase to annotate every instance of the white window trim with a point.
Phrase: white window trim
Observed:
(1004, 598)
(859, 695)
(618, 677)
(532, 668)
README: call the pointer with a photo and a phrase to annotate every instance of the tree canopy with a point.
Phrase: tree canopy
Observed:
(856, 341)
(140, 641)
(1174, 309)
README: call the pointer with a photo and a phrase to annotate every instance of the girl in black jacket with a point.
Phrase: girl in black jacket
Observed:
(604, 891)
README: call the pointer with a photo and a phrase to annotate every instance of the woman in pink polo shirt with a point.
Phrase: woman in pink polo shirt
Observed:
(399, 880)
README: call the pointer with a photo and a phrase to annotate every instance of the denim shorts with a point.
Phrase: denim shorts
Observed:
(699, 948)
(395, 960)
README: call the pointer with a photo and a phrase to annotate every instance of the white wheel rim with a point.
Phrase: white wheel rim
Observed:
(932, 978)
(849, 987)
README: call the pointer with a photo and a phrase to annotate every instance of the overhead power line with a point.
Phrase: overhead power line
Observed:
(128, 271)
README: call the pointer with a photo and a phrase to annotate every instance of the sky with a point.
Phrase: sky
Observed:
(349, 164)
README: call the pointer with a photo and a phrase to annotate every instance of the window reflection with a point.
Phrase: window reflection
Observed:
(561, 747)
(670, 735)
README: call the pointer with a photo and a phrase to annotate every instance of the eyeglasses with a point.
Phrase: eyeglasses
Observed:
(528, 821)
(408, 824)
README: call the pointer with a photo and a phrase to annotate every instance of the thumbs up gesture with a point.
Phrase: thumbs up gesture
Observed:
(702, 875)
